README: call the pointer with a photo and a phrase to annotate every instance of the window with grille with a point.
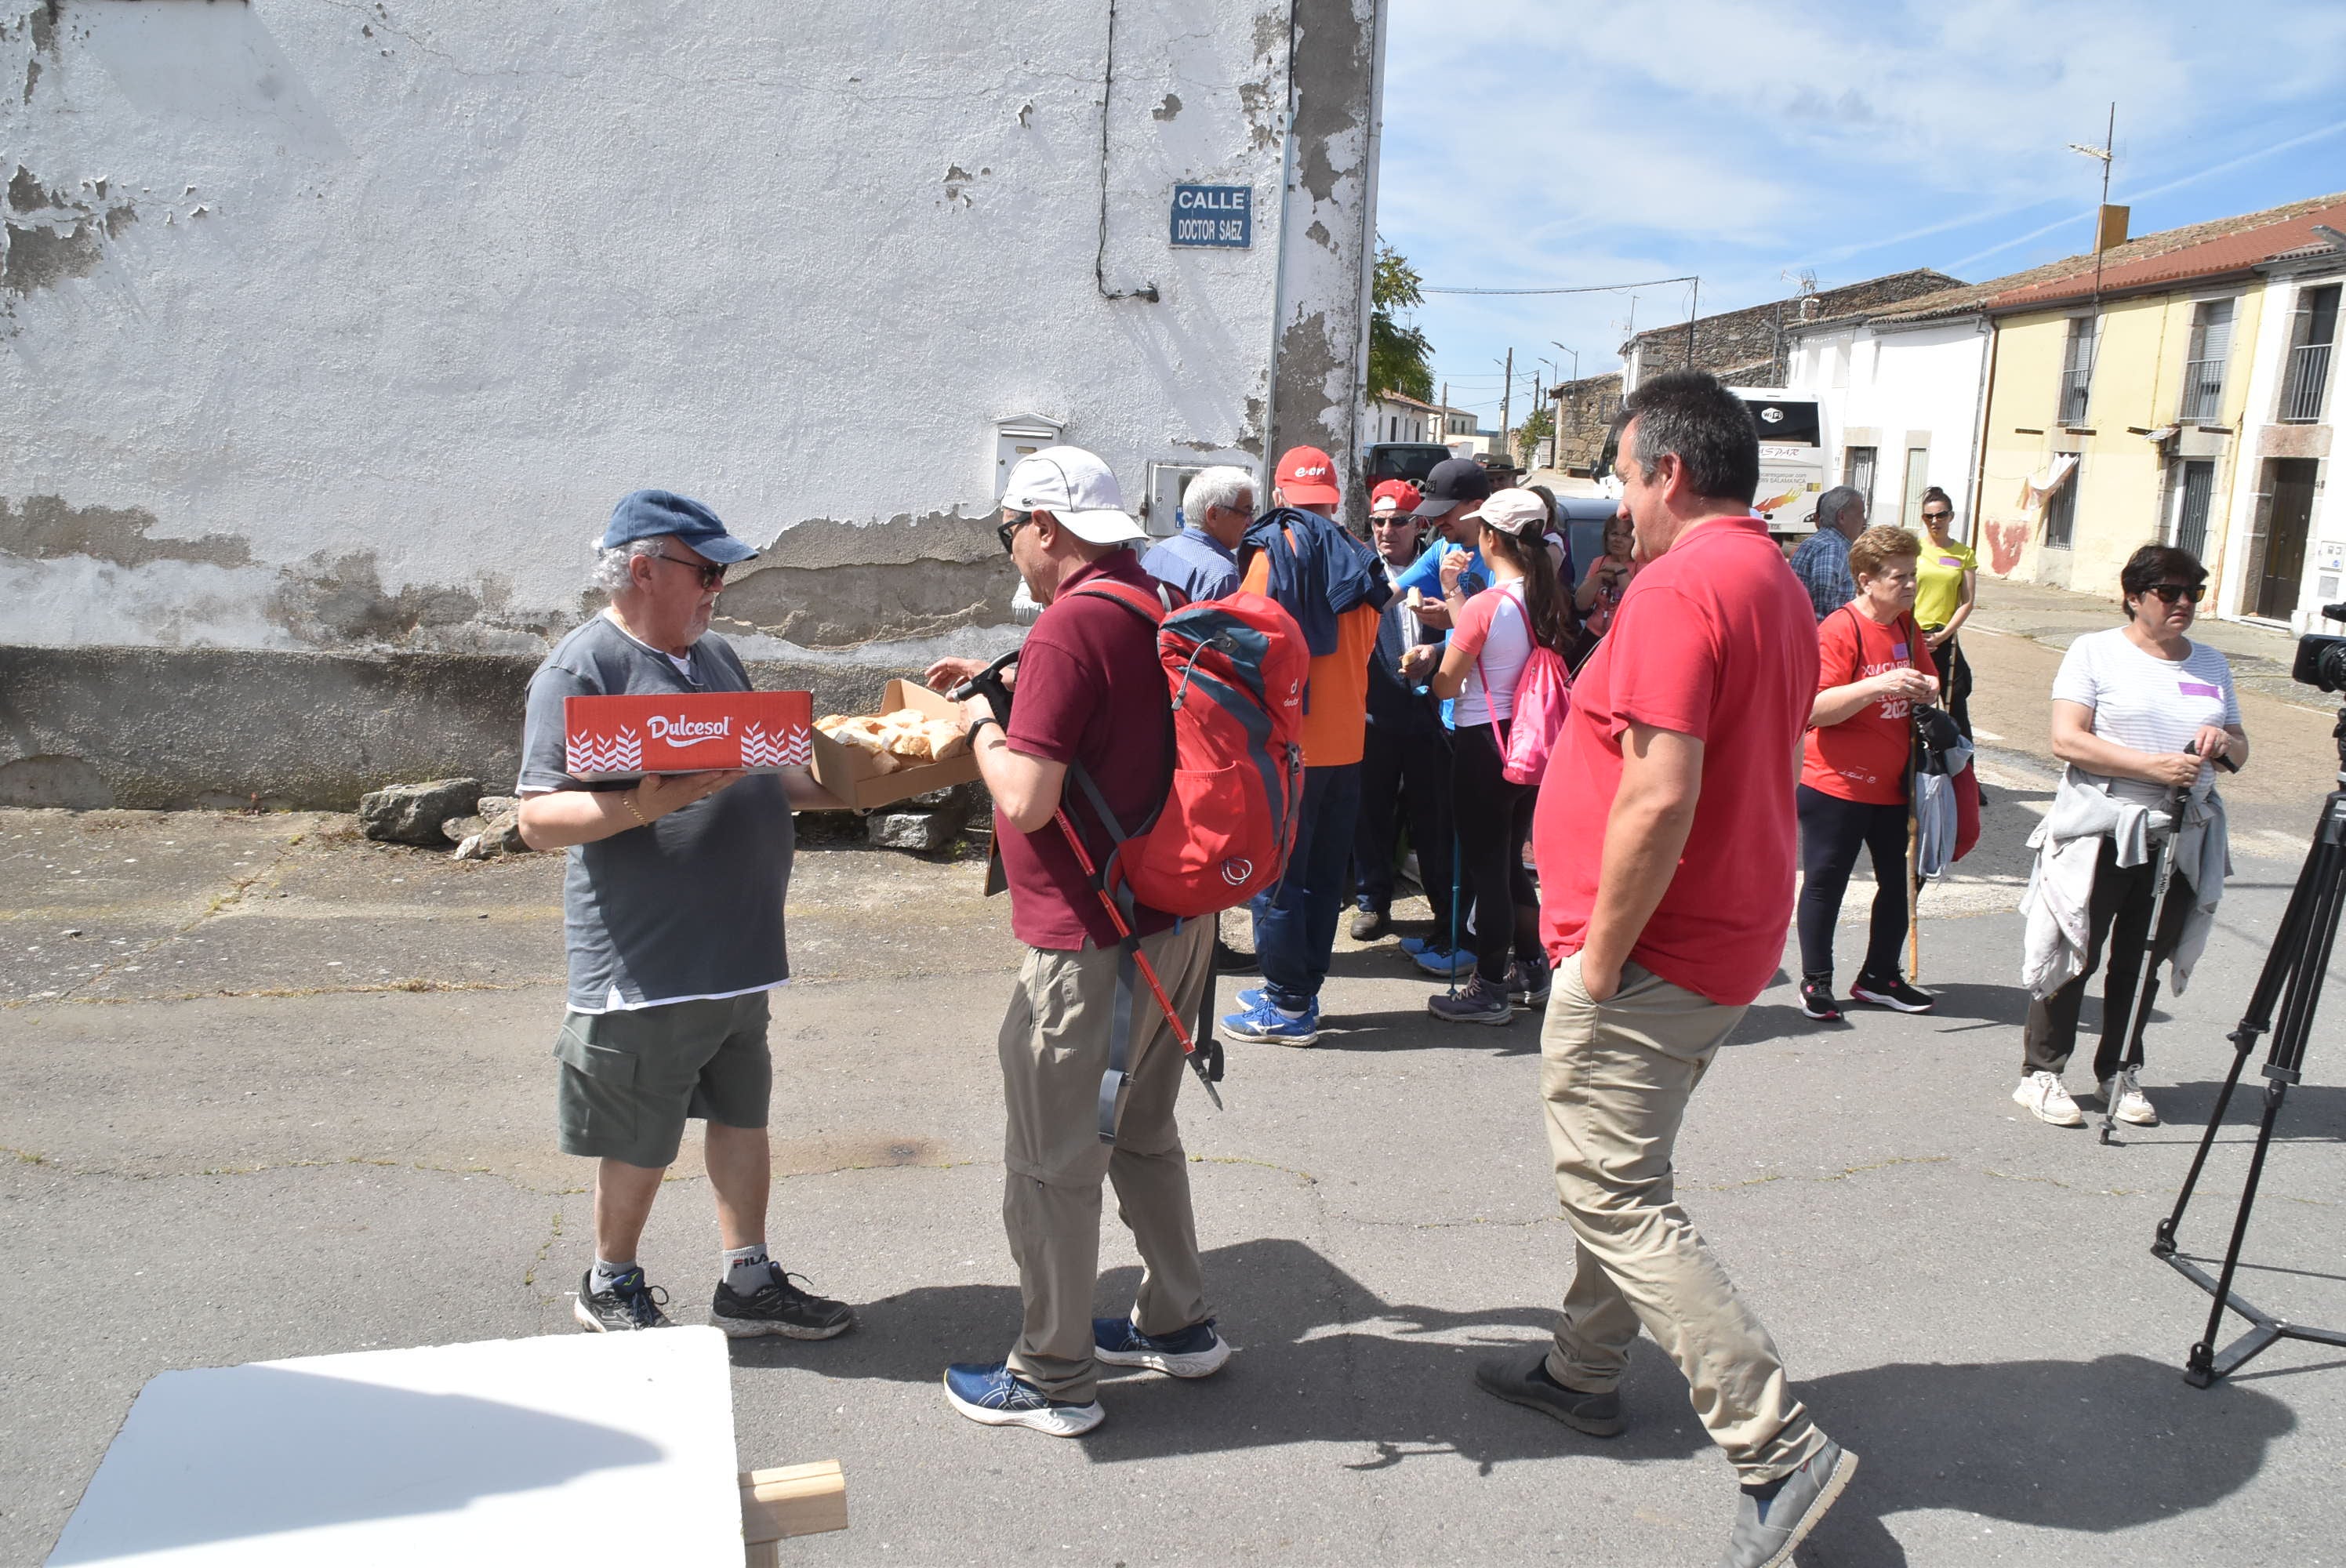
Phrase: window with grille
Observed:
(2203, 371)
(2195, 489)
(2061, 514)
(2078, 368)
(2305, 379)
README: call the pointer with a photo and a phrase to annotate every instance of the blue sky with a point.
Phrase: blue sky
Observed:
(1534, 142)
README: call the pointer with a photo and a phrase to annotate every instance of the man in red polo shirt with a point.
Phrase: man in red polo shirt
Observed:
(1091, 694)
(1666, 840)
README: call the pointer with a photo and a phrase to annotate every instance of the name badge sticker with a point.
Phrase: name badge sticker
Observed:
(2200, 688)
(1950, 561)
(1898, 650)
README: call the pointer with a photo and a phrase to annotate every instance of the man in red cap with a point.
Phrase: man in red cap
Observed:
(1405, 754)
(1300, 557)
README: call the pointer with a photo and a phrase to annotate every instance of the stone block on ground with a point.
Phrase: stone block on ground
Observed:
(925, 833)
(411, 813)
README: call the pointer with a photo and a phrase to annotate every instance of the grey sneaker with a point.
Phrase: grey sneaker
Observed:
(1480, 1003)
(1767, 1529)
(1523, 1379)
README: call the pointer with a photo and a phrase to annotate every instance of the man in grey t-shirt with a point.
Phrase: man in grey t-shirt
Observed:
(672, 911)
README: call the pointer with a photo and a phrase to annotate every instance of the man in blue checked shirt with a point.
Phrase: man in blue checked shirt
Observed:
(1822, 563)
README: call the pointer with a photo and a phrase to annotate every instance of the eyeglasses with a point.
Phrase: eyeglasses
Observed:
(1010, 526)
(712, 574)
(2169, 592)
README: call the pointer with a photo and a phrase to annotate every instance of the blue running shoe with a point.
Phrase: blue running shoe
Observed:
(992, 1396)
(1443, 965)
(1265, 1025)
(1196, 1351)
(1249, 999)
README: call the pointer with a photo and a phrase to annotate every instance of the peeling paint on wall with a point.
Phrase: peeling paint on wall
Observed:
(844, 606)
(55, 237)
(46, 527)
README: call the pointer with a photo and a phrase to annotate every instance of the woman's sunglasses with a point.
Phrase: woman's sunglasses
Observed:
(2169, 592)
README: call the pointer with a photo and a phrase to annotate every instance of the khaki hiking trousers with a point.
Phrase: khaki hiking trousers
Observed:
(1053, 1048)
(1615, 1076)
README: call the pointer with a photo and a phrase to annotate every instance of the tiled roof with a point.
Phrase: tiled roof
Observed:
(2234, 252)
(1747, 343)
(2148, 247)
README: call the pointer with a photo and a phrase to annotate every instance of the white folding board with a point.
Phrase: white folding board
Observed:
(585, 1447)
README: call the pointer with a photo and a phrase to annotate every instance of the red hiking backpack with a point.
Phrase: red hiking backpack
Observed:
(1236, 667)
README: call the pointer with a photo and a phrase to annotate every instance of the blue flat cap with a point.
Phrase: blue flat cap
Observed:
(649, 514)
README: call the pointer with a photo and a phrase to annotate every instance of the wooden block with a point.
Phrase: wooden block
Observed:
(793, 1499)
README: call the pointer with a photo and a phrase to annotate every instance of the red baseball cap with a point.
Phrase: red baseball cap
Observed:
(1307, 477)
(1400, 492)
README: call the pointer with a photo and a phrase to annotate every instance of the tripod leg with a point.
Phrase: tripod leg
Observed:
(2322, 866)
(2307, 965)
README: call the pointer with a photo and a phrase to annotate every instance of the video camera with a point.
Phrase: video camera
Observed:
(2322, 660)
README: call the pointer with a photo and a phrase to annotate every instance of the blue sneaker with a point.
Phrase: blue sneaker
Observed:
(992, 1396)
(1264, 1024)
(1196, 1351)
(1441, 965)
(1249, 999)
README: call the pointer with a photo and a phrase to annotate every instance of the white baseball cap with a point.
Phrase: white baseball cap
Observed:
(1075, 488)
(1516, 511)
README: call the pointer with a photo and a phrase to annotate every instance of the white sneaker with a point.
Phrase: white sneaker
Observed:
(2134, 1106)
(2047, 1101)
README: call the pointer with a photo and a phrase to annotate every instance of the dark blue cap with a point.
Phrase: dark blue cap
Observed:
(648, 514)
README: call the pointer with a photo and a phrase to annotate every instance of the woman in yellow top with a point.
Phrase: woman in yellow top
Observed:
(1945, 581)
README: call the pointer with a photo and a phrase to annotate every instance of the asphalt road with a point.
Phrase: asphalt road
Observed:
(285, 1093)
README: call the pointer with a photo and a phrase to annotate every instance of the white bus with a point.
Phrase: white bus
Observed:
(1792, 458)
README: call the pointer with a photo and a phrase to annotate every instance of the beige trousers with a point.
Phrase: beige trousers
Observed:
(1055, 1047)
(1616, 1076)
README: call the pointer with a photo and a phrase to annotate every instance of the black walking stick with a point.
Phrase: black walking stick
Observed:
(2176, 803)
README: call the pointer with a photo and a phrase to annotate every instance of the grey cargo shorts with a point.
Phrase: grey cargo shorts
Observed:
(630, 1080)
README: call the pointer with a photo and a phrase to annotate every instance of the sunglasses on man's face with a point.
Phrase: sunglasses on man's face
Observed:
(2169, 592)
(1010, 526)
(712, 574)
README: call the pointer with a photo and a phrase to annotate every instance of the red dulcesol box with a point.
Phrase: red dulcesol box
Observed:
(690, 732)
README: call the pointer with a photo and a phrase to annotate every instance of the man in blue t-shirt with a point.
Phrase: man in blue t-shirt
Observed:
(1456, 487)
(672, 910)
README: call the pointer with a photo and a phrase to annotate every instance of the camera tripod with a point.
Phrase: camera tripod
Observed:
(2295, 967)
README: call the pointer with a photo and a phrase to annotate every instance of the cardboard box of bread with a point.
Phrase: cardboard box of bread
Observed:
(913, 745)
(686, 732)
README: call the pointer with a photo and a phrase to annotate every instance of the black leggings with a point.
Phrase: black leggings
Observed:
(1954, 673)
(1495, 823)
(1831, 829)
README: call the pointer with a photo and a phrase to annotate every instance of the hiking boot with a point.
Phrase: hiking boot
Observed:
(1370, 923)
(1817, 1000)
(1767, 1527)
(779, 1306)
(1523, 1379)
(1196, 1351)
(1529, 979)
(1265, 1025)
(625, 1304)
(1893, 993)
(2047, 1101)
(2127, 1101)
(993, 1396)
(1481, 1003)
(1228, 960)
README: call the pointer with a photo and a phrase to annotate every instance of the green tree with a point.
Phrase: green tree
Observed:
(1401, 359)
(1534, 431)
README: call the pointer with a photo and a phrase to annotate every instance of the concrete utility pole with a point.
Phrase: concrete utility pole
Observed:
(1506, 441)
(1694, 298)
(1445, 413)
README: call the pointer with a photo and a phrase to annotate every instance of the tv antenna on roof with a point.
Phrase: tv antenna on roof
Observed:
(2106, 154)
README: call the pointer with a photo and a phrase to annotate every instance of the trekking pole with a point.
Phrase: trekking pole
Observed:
(1914, 852)
(1139, 959)
(1455, 855)
(2131, 1056)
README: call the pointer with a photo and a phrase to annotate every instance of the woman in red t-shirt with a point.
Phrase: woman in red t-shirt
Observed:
(1872, 667)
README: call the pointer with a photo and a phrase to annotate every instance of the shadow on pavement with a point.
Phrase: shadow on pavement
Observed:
(2313, 1111)
(1418, 1030)
(2091, 1447)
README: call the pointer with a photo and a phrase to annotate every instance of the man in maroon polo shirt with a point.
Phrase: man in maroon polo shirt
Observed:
(1666, 841)
(1090, 693)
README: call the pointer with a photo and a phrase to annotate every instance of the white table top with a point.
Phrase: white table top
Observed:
(578, 1447)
